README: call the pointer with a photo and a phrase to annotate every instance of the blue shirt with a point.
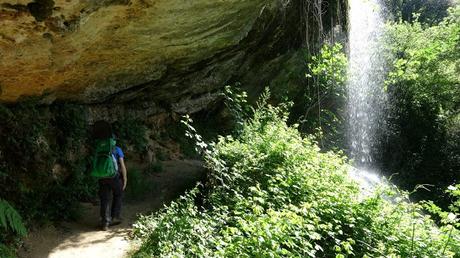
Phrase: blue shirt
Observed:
(118, 153)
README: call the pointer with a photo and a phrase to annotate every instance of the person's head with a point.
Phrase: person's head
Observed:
(102, 130)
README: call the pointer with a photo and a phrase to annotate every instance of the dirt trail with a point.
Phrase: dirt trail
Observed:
(83, 238)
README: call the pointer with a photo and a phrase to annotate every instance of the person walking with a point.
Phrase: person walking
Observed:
(111, 184)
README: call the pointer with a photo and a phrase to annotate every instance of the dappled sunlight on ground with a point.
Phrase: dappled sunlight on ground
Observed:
(94, 244)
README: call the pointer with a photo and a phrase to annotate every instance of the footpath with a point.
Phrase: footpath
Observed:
(83, 238)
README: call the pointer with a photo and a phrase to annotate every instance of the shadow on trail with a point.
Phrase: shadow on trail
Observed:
(83, 238)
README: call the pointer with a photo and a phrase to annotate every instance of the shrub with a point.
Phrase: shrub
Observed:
(10, 218)
(426, 11)
(131, 132)
(421, 143)
(11, 227)
(35, 139)
(325, 97)
(155, 167)
(272, 193)
(6, 252)
(138, 184)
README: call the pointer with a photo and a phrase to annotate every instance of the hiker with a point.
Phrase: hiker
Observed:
(111, 171)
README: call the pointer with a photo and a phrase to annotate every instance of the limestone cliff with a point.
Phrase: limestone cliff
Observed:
(169, 51)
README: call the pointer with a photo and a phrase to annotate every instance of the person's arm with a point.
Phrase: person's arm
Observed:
(123, 172)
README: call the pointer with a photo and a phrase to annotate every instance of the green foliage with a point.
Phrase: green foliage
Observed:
(287, 85)
(24, 152)
(177, 133)
(80, 186)
(454, 192)
(422, 144)
(155, 167)
(449, 220)
(190, 132)
(72, 121)
(10, 219)
(425, 11)
(43, 167)
(11, 229)
(236, 103)
(22, 131)
(329, 67)
(427, 60)
(448, 217)
(272, 193)
(325, 96)
(209, 123)
(138, 185)
(160, 155)
(6, 252)
(131, 132)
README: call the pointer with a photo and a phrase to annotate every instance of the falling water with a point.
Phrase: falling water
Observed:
(365, 82)
(365, 87)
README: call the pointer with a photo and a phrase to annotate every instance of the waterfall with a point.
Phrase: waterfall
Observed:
(365, 80)
(365, 88)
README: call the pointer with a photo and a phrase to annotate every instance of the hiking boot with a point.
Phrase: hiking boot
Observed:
(115, 221)
(105, 226)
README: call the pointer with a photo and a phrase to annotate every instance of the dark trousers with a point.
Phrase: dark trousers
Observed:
(110, 187)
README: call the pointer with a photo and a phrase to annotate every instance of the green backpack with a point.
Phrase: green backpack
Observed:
(104, 162)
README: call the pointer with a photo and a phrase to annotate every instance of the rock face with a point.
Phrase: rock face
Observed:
(168, 51)
(90, 50)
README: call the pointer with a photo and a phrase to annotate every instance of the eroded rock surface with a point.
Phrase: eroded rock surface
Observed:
(170, 51)
(90, 50)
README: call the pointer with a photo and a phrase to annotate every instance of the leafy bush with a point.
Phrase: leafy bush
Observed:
(422, 144)
(6, 251)
(426, 11)
(236, 103)
(325, 97)
(138, 184)
(43, 158)
(131, 132)
(11, 225)
(72, 122)
(22, 131)
(155, 167)
(272, 193)
(176, 132)
(10, 218)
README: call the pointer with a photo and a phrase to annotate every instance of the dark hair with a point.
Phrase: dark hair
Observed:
(102, 130)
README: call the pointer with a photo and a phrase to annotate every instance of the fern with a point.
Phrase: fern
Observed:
(10, 218)
(6, 252)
